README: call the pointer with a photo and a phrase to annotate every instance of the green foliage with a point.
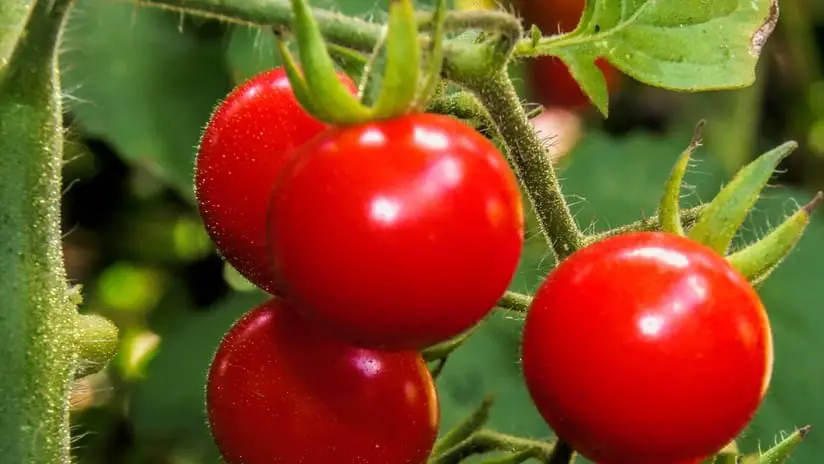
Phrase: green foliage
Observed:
(685, 45)
(144, 81)
(12, 19)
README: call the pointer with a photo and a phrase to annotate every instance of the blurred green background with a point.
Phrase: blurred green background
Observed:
(141, 83)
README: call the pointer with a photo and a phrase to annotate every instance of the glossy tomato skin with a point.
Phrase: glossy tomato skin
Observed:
(399, 233)
(245, 144)
(647, 348)
(549, 78)
(281, 390)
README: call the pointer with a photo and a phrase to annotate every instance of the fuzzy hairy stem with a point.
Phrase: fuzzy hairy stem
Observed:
(37, 317)
(532, 163)
(688, 218)
(486, 441)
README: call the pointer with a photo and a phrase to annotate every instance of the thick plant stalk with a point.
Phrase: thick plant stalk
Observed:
(37, 317)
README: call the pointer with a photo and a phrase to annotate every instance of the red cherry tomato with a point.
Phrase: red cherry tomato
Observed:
(281, 390)
(399, 233)
(549, 78)
(244, 146)
(647, 348)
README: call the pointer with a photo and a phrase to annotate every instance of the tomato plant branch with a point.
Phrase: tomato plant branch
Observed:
(338, 28)
(487, 441)
(444, 349)
(561, 454)
(652, 223)
(513, 301)
(470, 425)
(529, 157)
(38, 315)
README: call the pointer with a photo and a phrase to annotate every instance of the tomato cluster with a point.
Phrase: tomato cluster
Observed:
(378, 240)
(382, 238)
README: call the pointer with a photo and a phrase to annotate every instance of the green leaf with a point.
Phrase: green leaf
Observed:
(144, 86)
(687, 45)
(589, 76)
(13, 15)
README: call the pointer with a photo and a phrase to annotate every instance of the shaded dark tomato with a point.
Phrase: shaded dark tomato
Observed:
(244, 146)
(281, 390)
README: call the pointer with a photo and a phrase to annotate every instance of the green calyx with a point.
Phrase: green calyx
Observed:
(721, 219)
(669, 209)
(407, 83)
(758, 260)
(779, 454)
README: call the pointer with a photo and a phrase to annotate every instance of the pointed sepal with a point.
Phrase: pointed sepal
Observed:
(726, 213)
(669, 207)
(757, 260)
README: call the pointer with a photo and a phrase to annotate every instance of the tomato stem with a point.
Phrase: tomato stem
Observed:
(38, 315)
(355, 33)
(530, 160)
(487, 441)
(464, 430)
(514, 301)
(561, 454)
(653, 223)
(444, 349)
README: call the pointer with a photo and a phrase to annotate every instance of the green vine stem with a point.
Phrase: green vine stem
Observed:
(531, 161)
(37, 317)
(486, 440)
(513, 301)
(653, 223)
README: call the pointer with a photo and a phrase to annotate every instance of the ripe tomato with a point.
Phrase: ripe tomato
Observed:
(399, 233)
(244, 146)
(281, 390)
(548, 76)
(647, 348)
